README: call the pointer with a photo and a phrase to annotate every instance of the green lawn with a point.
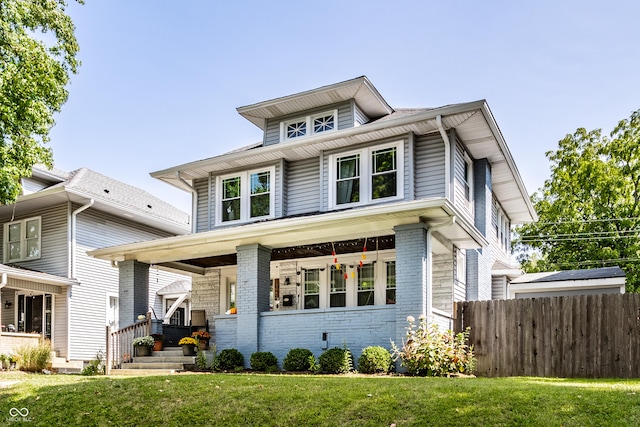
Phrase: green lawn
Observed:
(315, 400)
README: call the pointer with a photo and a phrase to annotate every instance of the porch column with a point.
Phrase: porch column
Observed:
(480, 261)
(412, 294)
(252, 296)
(133, 291)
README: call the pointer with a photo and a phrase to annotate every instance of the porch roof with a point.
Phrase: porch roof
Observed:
(190, 253)
(18, 277)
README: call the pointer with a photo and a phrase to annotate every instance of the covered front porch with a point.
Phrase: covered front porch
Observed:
(33, 308)
(304, 282)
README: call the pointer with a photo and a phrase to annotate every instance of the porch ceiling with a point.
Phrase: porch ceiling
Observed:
(199, 251)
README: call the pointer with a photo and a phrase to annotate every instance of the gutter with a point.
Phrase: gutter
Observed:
(430, 230)
(194, 201)
(447, 157)
(72, 269)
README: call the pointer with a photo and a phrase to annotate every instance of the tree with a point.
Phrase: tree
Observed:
(38, 51)
(589, 209)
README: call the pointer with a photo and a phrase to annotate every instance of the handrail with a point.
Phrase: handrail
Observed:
(120, 343)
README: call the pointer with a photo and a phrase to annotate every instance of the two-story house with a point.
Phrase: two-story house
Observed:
(346, 218)
(50, 286)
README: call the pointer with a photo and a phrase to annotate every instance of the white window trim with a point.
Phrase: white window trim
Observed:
(110, 295)
(309, 122)
(23, 239)
(245, 196)
(366, 169)
(469, 201)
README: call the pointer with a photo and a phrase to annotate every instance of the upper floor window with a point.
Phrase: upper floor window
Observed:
(245, 196)
(309, 125)
(367, 175)
(468, 180)
(22, 240)
(503, 231)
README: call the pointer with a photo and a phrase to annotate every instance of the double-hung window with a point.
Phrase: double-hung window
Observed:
(391, 282)
(22, 240)
(309, 125)
(338, 295)
(367, 175)
(366, 284)
(246, 196)
(312, 288)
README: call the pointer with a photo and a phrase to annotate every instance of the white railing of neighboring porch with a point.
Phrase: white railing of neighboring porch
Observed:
(120, 343)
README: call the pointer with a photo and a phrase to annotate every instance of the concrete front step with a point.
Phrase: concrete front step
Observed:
(166, 362)
(139, 372)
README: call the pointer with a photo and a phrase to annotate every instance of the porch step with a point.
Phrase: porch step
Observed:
(165, 362)
(61, 366)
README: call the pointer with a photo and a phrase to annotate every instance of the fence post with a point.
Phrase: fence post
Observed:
(109, 357)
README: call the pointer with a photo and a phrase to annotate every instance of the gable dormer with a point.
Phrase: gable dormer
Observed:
(329, 108)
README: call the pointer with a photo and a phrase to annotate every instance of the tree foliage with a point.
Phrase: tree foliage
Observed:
(38, 52)
(589, 209)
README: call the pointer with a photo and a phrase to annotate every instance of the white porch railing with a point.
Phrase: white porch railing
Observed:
(120, 343)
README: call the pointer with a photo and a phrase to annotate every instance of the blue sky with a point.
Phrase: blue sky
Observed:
(160, 80)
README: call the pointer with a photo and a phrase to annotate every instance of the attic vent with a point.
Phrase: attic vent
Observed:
(106, 191)
(149, 206)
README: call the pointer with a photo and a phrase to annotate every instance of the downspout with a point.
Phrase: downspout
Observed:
(447, 157)
(447, 223)
(72, 269)
(194, 202)
(3, 283)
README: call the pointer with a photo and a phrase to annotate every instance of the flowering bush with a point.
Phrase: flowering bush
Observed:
(146, 341)
(187, 341)
(429, 352)
(201, 335)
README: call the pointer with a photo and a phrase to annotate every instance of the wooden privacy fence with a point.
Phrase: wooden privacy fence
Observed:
(590, 336)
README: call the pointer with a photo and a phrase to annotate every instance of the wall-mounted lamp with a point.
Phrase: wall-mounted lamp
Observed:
(7, 304)
(287, 282)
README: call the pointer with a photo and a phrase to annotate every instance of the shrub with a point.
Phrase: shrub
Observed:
(34, 358)
(298, 359)
(95, 366)
(264, 361)
(375, 360)
(229, 359)
(429, 352)
(336, 361)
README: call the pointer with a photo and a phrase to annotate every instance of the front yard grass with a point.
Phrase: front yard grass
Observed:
(315, 400)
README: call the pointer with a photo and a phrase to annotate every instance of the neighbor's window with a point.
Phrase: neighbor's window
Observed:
(22, 240)
(367, 175)
(309, 125)
(391, 282)
(245, 196)
(338, 295)
(366, 285)
(312, 288)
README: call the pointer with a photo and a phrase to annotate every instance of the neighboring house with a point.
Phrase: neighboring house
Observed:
(348, 217)
(50, 285)
(594, 281)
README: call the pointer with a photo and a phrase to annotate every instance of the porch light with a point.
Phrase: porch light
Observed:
(287, 282)
(7, 304)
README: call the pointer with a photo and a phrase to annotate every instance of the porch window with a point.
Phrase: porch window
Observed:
(312, 288)
(245, 196)
(391, 282)
(22, 240)
(231, 295)
(338, 295)
(35, 314)
(366, 175)
(366, 285)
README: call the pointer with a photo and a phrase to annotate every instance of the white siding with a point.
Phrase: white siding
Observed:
(204, 204)
(98, 278)
(429, 167)
(303, 183)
